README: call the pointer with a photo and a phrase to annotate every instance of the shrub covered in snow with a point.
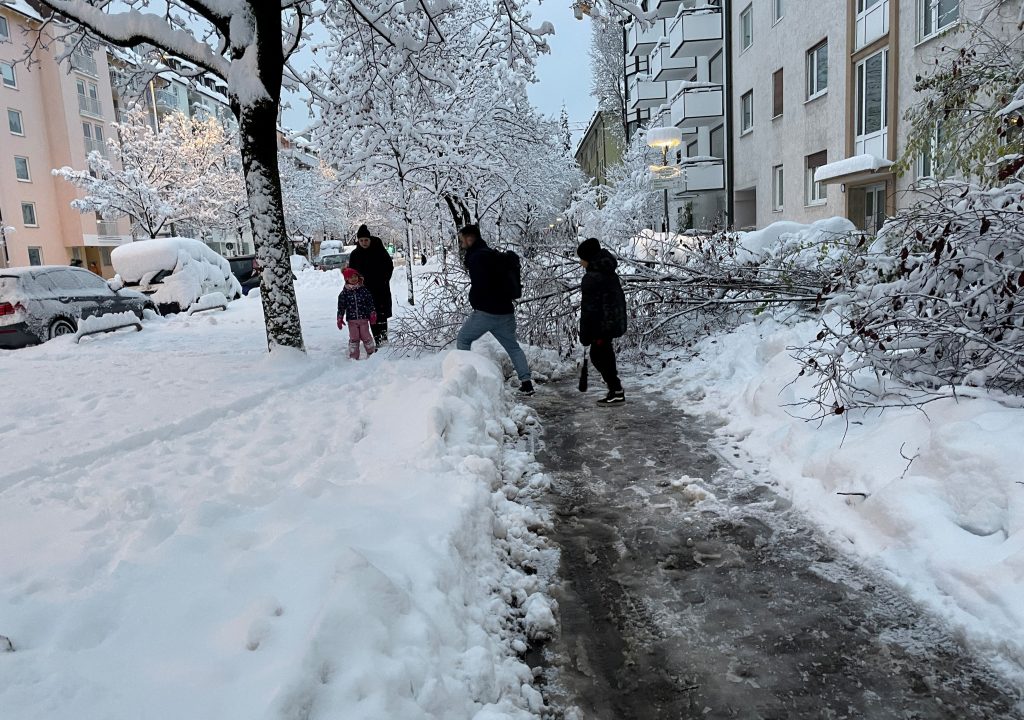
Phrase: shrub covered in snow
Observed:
(937, 302)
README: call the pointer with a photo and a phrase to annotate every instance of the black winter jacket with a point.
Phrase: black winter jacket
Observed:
(603, 308)
(356, 304)
(486, 290)
(376, 266)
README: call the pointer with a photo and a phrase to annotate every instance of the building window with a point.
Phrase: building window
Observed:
(815, 192)
(817, 70)
(872, 21)
(778, 10)
(777, 94)
(934, 16)
(747, 112)
(28, 214)
(5, 30)
(105, 256)
(871, 105)
(14, 122)
(747, 27)
(21, 169)
(777, 188)
(933, 162)
(35, 256)
(7, 75)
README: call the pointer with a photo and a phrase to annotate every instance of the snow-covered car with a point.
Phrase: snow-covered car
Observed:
(174, 272)
(244, 268)
(333, 262)
(41, 302)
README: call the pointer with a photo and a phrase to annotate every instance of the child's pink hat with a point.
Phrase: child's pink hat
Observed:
(350, 273)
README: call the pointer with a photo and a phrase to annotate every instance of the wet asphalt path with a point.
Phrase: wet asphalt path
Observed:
(677, 604)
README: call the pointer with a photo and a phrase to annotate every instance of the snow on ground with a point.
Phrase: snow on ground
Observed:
(949, 529)
(192, 528)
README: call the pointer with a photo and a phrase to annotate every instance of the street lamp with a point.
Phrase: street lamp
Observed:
(664, 139)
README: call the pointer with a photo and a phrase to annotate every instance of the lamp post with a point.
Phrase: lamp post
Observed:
(664, 139)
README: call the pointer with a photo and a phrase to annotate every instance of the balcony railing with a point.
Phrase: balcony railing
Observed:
(106, 227)
(84, 63)
(666, 67)
(92, 146)
(89, 106)
(698, 104)
(696, 34)
(642, 40)
(706, 175)
(166, 100)
(645, 94)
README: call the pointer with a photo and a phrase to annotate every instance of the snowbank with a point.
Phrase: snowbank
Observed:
(270, 536)
(787, 238)
(944, 512)
(103, 323)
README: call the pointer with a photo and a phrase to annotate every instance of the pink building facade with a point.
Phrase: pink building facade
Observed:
(50, 116)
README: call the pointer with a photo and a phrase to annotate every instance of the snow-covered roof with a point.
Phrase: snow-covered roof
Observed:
(22, 7)
(850, 166)
(136, 259)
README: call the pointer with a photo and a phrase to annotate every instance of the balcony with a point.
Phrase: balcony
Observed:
(98, 146)
(698, 105)
(84, 63)
(641, 41)
(106, 228)
(89, 106)
(645, 94)
(665, 67)
(166, 100)
(696, 34)
(706, 175)
(667, 8)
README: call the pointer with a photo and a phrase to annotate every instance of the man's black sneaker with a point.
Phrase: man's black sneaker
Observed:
(526, 388)
(615, 397)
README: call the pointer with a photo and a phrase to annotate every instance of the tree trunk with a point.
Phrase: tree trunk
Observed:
(257, 124)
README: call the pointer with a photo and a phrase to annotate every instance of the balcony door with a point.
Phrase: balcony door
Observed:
(872, 111)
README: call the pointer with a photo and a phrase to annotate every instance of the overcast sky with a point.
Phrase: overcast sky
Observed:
(564, 74)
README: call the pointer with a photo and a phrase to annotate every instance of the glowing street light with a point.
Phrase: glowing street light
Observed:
(664, 139)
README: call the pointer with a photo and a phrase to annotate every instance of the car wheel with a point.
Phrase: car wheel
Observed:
(63, 326)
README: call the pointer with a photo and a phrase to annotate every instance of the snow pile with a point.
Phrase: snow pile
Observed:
(944, 512)
(299, 264)
(209, 301)
(803, 245)
(849, 166)
(195, 269)
(275, 536)
(110, 321)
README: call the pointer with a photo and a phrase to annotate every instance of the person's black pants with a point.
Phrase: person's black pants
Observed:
(603, 357)
(380, 332)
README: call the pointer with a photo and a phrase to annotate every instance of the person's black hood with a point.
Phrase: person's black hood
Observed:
(605, 262)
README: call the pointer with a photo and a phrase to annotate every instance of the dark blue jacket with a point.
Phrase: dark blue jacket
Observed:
(486, 291)
(355, 304)
(603, 307)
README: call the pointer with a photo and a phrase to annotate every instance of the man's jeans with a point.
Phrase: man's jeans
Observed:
(503, 328)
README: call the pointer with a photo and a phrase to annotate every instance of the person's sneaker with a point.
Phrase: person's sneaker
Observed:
(614, 397)
(526, 388)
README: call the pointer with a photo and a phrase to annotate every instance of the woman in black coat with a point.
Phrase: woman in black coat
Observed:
(372, 260)
(602, 314)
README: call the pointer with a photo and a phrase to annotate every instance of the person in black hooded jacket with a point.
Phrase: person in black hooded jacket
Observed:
(602, 314)
(372, 260)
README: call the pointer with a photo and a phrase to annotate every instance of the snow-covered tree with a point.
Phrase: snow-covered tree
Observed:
(607, 85)
(181, 175)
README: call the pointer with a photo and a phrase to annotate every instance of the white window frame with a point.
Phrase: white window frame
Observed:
(929, 174)
(813, 91)
(5, 30)
(28, 169)
(780, 74)
(925, 33)
(747, 27)
(778, 188)
(744, 127)
(21, 122)
(14, 76)
(874, 11)
(778, 10)
(815, 193)
(35, 215)
(859, 107)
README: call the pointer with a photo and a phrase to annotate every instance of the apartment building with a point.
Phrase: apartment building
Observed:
(819, 94)
(600, 146)
(52, 115)
(675, 76)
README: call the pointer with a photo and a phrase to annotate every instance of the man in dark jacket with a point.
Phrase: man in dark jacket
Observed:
(602, 314)
(493, 311)
(372, 260)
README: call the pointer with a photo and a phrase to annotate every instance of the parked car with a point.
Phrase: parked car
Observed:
(41, 302)
(333, 262)
(174, 272)
(244, 268)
